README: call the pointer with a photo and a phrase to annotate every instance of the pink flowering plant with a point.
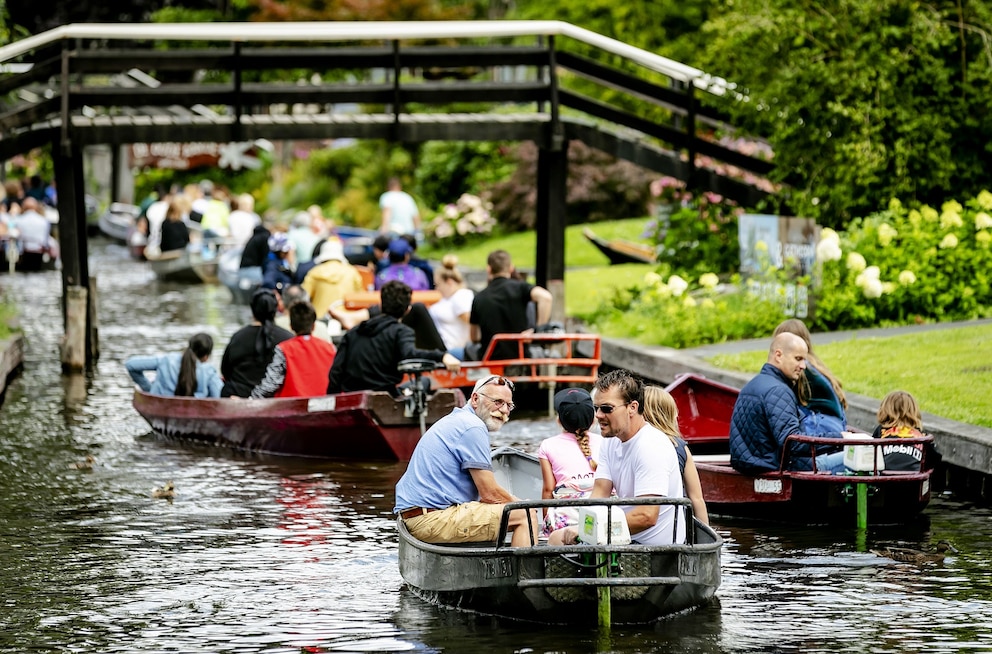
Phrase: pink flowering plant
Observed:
(907, 265)
(459, 222)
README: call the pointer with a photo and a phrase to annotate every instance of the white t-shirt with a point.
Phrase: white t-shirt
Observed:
(242, 224)
(402, 211)
(454, 331)
(646, 465)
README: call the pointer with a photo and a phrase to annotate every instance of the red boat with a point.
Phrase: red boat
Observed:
(808, 497)
(359, 425)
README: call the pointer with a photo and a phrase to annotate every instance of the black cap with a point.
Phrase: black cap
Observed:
(574, 408)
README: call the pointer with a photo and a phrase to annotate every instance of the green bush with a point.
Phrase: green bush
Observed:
(907, 265)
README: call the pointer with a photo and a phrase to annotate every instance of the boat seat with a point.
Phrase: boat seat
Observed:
(711, 458)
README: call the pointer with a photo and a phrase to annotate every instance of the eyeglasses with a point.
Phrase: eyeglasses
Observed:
(510, 406)
(499, 381)
(607, 409)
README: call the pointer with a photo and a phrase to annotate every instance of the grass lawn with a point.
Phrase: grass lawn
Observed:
(947, 371)
(588, 276)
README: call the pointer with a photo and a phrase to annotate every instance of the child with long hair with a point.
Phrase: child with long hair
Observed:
(661, 412)
(568, 460)
(181, 375)
(899, 417)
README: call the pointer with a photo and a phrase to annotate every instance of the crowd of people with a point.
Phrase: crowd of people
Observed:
(25, 230)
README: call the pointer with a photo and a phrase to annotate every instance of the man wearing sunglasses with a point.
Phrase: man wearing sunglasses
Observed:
(635, 460)
(449, 493)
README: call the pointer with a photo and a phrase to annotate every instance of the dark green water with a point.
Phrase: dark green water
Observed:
(274, 555)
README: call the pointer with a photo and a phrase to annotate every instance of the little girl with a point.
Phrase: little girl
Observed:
(568, 460)
(899, 417)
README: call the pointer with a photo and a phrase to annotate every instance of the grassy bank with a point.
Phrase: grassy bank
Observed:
(7, 315)
(944, 369)
(586, 268)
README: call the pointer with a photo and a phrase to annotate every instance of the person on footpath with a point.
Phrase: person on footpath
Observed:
(449, 493)
(180, 375)
(636, 460)
(766, 413)
(400, 214)
(501, 307)
(300, 365)
(369, 354)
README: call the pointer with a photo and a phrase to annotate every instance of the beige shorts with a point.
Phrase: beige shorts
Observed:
(472, 522)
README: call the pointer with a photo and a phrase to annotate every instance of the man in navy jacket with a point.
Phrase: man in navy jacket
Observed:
(767, 412)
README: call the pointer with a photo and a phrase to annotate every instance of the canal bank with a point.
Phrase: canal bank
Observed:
(966, 449)
(11, 360)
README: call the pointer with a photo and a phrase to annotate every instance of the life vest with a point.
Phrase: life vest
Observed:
(308, 362)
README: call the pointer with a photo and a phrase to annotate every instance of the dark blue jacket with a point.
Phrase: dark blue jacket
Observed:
(766, 412)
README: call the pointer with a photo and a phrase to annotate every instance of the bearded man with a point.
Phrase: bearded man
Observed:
(449, 493)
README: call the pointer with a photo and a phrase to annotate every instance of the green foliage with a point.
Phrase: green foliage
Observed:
(861, 100)
(447, 169)
(908, 265)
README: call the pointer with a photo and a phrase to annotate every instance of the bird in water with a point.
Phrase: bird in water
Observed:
(909, 555)
(86, 464)
(167, 492)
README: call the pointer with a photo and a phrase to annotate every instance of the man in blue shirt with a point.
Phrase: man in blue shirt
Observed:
(449, 493)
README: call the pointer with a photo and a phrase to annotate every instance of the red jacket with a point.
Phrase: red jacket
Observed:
(308, 362)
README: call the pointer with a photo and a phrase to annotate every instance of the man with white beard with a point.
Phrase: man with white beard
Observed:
(449, 493)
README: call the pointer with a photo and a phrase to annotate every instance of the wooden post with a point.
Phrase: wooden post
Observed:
(74, 344)
(551, 219)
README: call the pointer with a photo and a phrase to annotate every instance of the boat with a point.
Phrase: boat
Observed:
(621, 251)
(357, 244)
(805, 497)
(359, 425)
(638, 584)
(118, 221)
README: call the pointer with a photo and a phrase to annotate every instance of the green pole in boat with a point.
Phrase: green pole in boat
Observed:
(603, 592)
(861, 491)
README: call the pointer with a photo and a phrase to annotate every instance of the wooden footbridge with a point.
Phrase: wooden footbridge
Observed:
(541, 81)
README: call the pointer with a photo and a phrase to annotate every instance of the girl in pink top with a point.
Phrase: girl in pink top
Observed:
(568, 460)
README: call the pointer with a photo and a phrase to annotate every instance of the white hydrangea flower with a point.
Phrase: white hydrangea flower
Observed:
(983, 237)
(652, 279)
(829, 235)
(856, 262)
(985, 200)
(983, 220)
(677, 285)
(888, 287)
(949, 242)
(886, 233)
(950, 220)
(709, 280)
(689, 301)
(872, 288)
(867, 276)
(907, 277)
(828, 250)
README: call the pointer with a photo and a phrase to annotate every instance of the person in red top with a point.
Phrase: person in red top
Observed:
(299, 366)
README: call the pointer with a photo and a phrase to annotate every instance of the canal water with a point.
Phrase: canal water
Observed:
(265, 554)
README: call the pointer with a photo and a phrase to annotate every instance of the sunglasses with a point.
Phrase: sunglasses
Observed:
(607, 409)
(499, 381)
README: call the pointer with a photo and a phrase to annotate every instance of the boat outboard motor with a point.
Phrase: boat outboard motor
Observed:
(417, 390)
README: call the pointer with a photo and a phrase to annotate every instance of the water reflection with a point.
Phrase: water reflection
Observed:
(265, 554)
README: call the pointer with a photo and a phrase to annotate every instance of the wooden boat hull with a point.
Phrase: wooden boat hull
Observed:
(360, 425)
(118, 221)
(185, 267)
(537, 584)
(705, 408)
(620, 251)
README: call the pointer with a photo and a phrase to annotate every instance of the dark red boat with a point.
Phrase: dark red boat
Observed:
(809, 497)
(360, 425)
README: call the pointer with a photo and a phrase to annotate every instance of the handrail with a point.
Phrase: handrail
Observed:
(868, 441)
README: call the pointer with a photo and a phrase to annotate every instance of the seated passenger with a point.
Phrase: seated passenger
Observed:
(180, 375)
(400, 270)
(568, 460)
(331, 278)
(661, 411)
(822, 404)
(290, 296)
(277, 271)
(636, 460)
(250, 350)
(501, 307)
(899, 417)
(299, 365)
(369, 354)
(766, 413)
(175, 233)
(452, 312)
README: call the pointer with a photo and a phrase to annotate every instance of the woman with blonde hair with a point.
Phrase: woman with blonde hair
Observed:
(822, 404)
(452, 312)
(661, 412)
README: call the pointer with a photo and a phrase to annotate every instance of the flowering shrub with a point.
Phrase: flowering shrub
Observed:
(456, 223)
(695, 234)
(902, 265)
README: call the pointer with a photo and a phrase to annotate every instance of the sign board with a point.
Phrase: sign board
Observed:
(183, 156)
(781, 243)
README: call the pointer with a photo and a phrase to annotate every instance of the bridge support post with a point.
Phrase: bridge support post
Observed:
(72, 243)
(552, 177)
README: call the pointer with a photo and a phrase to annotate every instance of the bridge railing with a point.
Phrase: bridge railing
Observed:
(71, 77)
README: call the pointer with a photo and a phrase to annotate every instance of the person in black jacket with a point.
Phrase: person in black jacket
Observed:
(369, 353)
(249, 351)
